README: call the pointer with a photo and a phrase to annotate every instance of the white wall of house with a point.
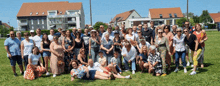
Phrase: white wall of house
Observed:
(133, 14)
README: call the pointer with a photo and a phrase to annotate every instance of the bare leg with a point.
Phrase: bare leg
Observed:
(157, 74)
(146, 65)
(13, 69)
(141, 65)
(101, 74)
(46, 63)
(100, 77)
(21, 68)
(119, 77)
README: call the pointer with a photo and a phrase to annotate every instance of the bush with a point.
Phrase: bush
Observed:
(211, 26)
(97, 25)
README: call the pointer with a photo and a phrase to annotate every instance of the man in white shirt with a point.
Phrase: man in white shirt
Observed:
(32, 34)
(135, 31)
(38, 38)
(50, 37)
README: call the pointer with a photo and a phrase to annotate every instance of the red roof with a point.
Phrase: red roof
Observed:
(155, 13)
(41, 7)
(122, 16)
(215, 16)
(6, 25)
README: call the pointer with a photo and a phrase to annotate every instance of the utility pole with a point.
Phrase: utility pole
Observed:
(90, 12)
(187, 11)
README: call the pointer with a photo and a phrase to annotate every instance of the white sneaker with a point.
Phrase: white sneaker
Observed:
(47, 73)
(192, 65)
(127, 77)
(118, 74)
(185, 70)
(24, 73)
(192, 73)
(187, 64)
(126, 70)
(176, 70)
(54, 75)
(133, 72)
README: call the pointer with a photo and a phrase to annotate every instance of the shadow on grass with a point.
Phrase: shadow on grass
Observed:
(207, 64)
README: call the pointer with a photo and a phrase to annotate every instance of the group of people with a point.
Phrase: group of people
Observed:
(100, 54)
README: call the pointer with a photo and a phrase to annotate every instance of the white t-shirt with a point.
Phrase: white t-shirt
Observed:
(30, 37)
(28, 47)
(114, 61)
(34, 58)
(37, 39)
(129, 55)
(128, 37)
(96, 66)
(50, 37)
(147, 43)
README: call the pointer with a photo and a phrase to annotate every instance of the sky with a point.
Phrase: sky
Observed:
(104, 10)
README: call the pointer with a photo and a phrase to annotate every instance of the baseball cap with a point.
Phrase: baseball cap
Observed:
(31, 31)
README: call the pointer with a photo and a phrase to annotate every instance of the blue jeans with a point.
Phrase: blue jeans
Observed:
(94, 53)
(183, 55)
(118, 69)
(133, 65)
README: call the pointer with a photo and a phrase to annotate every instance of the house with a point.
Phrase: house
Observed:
(160, 16)
(123, 18)
(50, 15)
(215, 18)
(5, 25)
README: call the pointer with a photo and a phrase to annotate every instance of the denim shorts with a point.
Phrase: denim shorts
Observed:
(46, 54)
(15, 59)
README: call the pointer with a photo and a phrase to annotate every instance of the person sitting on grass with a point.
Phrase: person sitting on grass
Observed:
(110, 70)
(82, 57)
(143, 63)
(154, 61)
(102, 59)
(115, 62)
(33, 70)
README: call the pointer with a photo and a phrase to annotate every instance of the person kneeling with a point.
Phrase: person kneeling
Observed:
(33, 70)
(154, 61)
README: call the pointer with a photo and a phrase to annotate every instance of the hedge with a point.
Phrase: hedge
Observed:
(211, 26)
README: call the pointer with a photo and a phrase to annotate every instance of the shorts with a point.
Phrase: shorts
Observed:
(107, 69)
(187, 49)
(15, 59)
(91, 75)
(46, 54)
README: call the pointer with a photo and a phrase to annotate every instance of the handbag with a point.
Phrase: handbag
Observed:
(60, 63)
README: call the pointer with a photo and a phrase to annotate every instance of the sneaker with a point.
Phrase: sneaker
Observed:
(126, 70)
(187, 64)
(192, 65)
(128, 77)
(133, 72)
(54, 75)
(118, 74)
(176, 70)
(192, 73)
(47, 73)
(15, 74)
(185, 70)
(164, 74)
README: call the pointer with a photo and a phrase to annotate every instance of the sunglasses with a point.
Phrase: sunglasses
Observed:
(12, 34)
(178, 31)
(160, 32)
(185, 31)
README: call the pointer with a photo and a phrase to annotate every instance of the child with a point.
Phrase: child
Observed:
(154, 61)
(115, 61)
(102, 59)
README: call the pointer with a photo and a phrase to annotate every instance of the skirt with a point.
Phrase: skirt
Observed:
(32, 73)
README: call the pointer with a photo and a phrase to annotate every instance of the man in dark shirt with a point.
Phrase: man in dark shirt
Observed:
(148, 34)
(85, 38)
(188, 27)
(59, 32)
(192, 42)
(152, 28)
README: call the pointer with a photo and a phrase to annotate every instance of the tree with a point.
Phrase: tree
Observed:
(205, 17)
(180, 22)
(97, 25)
(3, 31)
(192, 22)
(196, 19)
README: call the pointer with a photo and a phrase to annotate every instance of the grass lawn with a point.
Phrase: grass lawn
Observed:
(209, 75)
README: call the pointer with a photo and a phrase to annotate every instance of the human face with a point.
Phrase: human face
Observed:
(152, 24)
(86, 30)
(90, 63)
(139, 34)
(198, 28)
(134, 28)
(80, 30)
(32, 33)
(12, 34)
(38, 31)
(152, 51)
(116, 55)
(55, 39)
(51, 32)
(45, 36)
(166, 30)
(160, 32)
(93, 33)
(117, 28)
(186, 32)
(179, 32)
(145, 26)
(74, 65)
(107, 37)
(101, 28)
(68, 33)
(83, 51)
(130, 31)
(144, 49)
(74, 30)
(186, 24)
(35, 50)
(109, 30)
(18, 35)
(174, 28)
(26, 36)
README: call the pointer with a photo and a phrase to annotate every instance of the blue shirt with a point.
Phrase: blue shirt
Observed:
(22, 38)
(57, 34)
(73, 35)
(13, 46)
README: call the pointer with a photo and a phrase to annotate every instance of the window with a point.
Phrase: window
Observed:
(52, 13)
(42, 20)
(32, 27)
(43, 27)
(175, 15)
(71, 12)
(38, 21)
(32, 21)
(161, 16)
(132, 16)
(170, 15)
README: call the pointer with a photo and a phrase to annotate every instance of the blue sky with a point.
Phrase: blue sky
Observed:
(104, 10)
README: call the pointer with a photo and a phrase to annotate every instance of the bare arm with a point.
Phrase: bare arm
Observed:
(80, 59)
(73, 44)
(22, 50)
(111, 48)
(52, 50)
(102, 47)
(63, 44)
(7, 50)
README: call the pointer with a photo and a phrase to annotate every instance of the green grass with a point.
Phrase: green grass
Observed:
(209, 75)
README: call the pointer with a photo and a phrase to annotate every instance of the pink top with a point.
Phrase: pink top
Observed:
(169, 36)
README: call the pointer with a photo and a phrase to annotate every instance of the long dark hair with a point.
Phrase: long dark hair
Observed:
(70, 64)
(33, 49)
(78, 34)
(43, 39)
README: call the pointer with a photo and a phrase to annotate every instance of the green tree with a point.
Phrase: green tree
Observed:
(205, 17)
(192, 22)
(196, 19)
(3, 31)
(97, 25)
(180, 22)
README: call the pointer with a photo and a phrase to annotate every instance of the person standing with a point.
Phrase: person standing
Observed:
(169, 36)
(192, 41)
(94, 43)
(140, 27)
(73, 34)
(109, 31)
(202, 37)
(86, 42)
(63, 34)
(57, 55)
(117, 47)
(37, 39)
(79, 43)
(134, 32)
(101, 30)
(179, 47)
(26, 47)
(32, 34)
(107, 46)
(148, 34)
(50, 37)
(162, 44)
(12, 46)
(152, 28)
(45, 47)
